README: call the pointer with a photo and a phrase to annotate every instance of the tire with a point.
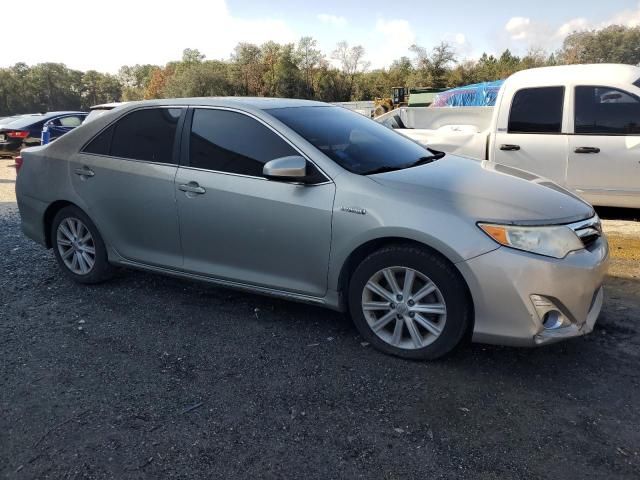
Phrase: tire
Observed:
(429, 323)
(79, 242)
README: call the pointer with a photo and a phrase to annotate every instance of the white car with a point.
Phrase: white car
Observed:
(577, 125)
(99, 110)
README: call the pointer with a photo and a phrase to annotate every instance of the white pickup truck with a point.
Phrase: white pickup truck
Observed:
(578, 125)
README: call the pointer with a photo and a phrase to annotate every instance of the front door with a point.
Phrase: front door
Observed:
(238, 226)
(126, 176)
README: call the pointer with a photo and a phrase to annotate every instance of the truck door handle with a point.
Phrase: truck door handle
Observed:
(192, 187)
(84, 172)
(509, 148)
(587, 150)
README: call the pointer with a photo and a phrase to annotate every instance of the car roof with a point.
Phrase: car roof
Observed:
(258, 103)
(107, 106)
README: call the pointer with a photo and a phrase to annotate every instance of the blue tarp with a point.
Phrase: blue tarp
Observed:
(476, 95)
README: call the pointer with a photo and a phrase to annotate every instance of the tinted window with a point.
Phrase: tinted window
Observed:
(606, 111)
(537, 110)
(232, 142)
(353, 141)
(101, 145)
(147, 134)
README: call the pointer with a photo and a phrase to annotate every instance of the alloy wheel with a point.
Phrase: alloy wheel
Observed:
(404, 308)
(76, 246)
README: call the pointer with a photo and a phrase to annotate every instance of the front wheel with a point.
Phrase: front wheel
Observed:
(409, 302)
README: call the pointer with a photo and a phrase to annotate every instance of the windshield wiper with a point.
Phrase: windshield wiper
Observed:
(428, 159)
(436, 155)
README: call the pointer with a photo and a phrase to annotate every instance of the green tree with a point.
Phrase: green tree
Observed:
(134, 80)
(289, 82)
(309, 58)
(432, 66)
(613, 44)
(204, 79)
(352, 64)
(247, 69)
(99, 88)
(192, 55)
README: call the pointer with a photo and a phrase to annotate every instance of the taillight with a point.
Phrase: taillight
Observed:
(18, 134)
(18, 163)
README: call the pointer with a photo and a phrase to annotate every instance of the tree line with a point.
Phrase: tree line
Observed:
(298, 70)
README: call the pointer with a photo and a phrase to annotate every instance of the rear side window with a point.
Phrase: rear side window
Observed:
(147, 135)
(606, 111)
(537, 110)
(73, 121)
(101, 145)
(232, 142)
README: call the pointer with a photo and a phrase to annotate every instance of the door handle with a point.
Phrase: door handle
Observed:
(587, 150)
(192, 187)
(84, 172)
(509, 148)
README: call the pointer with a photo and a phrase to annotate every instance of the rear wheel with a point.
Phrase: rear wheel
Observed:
(409, 302)
(78, 247)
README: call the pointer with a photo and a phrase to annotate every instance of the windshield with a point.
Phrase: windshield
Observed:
(353, 141)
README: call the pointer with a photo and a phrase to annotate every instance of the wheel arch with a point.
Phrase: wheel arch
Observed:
(49, 215)
(367, 248)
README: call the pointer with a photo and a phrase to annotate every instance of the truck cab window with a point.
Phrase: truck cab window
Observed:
(537, 110)
(606, 111)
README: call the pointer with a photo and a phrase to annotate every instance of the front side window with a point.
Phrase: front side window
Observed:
(147, 135)
(354, 142)
(606, 111)
(537, 110)
(232, 142)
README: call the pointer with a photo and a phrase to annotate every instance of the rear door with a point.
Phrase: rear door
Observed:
(238, 226)
(529, 133)
(604, 150)
(125, 175)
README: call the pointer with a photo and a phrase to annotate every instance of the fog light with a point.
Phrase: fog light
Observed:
(552, 319)
(549, 313)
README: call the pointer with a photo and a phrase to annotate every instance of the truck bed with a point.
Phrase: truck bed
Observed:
(459, 130)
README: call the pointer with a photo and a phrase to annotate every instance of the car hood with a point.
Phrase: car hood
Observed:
(486, 191)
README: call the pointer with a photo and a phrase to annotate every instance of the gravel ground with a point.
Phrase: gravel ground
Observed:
(153, 377)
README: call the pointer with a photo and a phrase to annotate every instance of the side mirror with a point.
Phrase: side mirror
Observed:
(286, 168)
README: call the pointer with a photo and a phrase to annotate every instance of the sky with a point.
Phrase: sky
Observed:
(104, 35)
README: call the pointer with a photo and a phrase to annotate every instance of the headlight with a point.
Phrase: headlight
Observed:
(553, 241)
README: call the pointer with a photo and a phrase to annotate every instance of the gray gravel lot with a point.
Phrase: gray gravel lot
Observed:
(153, 377)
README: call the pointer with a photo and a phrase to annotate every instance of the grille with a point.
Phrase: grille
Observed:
(589, 231)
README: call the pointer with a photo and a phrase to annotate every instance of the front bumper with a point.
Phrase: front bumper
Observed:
(502, 282)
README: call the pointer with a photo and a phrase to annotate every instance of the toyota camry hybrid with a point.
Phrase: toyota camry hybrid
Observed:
(314, 203)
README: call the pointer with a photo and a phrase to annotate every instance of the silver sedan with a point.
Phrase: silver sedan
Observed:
(314, 203)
